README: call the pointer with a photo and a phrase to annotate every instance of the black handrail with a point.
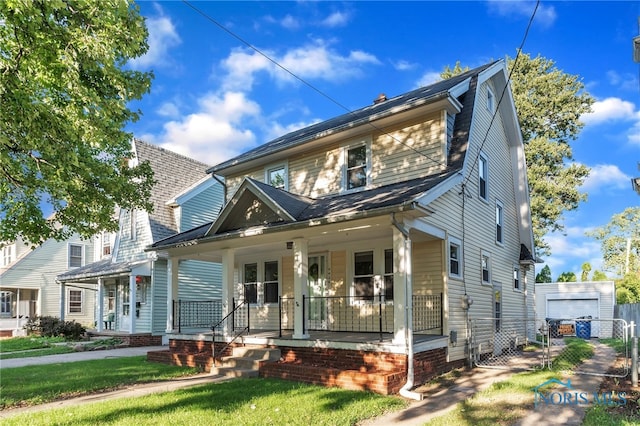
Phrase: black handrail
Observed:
(233, 327)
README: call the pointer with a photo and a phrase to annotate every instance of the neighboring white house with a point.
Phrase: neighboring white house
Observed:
(131, 285)
(570, 301)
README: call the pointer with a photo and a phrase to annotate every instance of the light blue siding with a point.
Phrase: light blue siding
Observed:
(202, 208)
(199, 280)
(159, 298)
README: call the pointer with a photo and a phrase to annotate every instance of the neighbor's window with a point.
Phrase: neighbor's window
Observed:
(490, 100)
(363, 275)
(483, 176)
(251, 283)
(75, 255)
(106, 243)
(270, 285)
(455, 258)
(499, 220)
(356, 167)
(8, 252)
(277, 177)
(486, 268)
(75, 301)
(5, 303)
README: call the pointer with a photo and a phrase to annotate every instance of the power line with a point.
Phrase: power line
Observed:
(303, 81)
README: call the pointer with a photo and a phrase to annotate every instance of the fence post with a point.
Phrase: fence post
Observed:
(634, 355)
(380, 315)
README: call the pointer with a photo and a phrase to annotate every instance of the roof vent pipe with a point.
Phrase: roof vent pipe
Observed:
(381, 98)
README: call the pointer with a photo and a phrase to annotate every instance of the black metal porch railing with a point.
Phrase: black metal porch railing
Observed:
(238, 321)
(196, 313)
(353, 314)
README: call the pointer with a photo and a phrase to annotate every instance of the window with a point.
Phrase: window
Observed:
(7, 254)
(455, 258)
(516, 277)
(75, 255)
(486, 268)
(75, 301)
(356, 168)
(142, 286)
(497, 305)
(106, 244)
(251, 283)
(483, 175)
(363, 275)
(388, 275)
(277, 177)
(271, 282)
(5, 303)
(490, 100)
(261, 283)
(498, 222)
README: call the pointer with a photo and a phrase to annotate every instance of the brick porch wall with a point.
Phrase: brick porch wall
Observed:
(189, 353)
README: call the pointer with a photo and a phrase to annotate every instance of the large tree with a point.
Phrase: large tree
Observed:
(620, 242)
(64, 91)
(549, 103)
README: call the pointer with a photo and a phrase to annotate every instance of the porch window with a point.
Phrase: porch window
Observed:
(5, 303)
(251, 283)
(486, 268)
(363, 275)
(499, 221)
(75, 255)
(271, 282)
(516, 277)
(388, 274)
(455, 258)
(75, 301)
(483, 176)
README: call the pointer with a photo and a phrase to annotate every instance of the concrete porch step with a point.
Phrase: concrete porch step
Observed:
(245, 361)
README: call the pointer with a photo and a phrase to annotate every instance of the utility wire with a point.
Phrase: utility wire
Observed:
(303, 81)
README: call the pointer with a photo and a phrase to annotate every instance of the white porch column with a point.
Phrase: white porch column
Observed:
(100, 296)
(300, 285)
(172, 291)
(228, 265)
(63, 295)
(18, 309)
(402, 287)
(132, 303)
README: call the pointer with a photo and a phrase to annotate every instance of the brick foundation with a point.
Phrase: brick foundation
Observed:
(189, 353)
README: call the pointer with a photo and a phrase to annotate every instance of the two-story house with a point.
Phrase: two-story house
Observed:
(364, 243)
(28, 285)
(132, 297)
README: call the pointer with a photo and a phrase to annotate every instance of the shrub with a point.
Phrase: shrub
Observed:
(48, 326)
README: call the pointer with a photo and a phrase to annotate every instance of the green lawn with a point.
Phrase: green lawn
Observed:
(23, 347)
(15, 344)
(38, 384)
(238, 402)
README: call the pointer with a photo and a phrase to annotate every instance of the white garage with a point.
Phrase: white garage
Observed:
(571, 301)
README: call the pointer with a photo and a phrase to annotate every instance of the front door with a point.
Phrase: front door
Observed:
(318, 306)
(124, 317)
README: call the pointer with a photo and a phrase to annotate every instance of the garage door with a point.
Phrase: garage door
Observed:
(575, 308)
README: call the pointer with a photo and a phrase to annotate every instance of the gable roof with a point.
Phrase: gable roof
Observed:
(172, 173)
(361, 116)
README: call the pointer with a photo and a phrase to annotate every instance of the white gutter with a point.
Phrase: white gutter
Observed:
(406, 391)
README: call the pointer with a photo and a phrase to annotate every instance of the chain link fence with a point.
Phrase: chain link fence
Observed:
(582, 345)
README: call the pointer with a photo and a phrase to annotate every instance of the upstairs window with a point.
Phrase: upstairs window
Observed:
(499, 221)
(76, 258)
(8, 253)
(106, 244)
(356, 166)
(277, 176)
(483, 177)
(490, 101)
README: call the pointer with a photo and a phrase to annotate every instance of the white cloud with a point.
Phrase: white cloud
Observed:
(428, 78)
(606, 176)
(545, 15)
(290, 22)
(627, 81)
(214, 133)
(168, 109)
(570, 251)
(403, 65)
(609, 109)
(313, 61)
(336, 19)
(162, 37)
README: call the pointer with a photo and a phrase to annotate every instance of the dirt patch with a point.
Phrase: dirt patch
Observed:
(610, 384)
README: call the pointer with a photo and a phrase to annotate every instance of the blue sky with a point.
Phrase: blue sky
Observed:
(214, 97)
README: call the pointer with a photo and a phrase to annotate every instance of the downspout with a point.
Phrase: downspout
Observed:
(406, 391)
